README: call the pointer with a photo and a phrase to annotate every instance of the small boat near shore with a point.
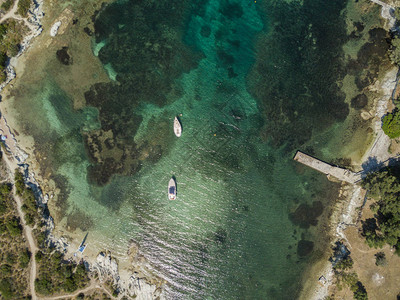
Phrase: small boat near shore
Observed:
(177, 127)
(172, 189)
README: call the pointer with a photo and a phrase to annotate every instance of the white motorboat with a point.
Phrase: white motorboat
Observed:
(172, 189)
(177, 127)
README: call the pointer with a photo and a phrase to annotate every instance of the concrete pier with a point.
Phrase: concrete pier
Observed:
(328, 169)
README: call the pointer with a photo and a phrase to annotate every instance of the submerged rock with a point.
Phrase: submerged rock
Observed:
(304, 247)
(359, 101)
(64, 56)
(306, 215)
(140, 285)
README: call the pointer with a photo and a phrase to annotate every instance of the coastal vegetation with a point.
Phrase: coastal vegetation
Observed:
(394, 51)
(380, 259)
(11, 34)
(342, 268)
(384, 228)
(391, 124)
(23, 7)
(6, 5)
(27, 195)
(14, 254)
(57, 275)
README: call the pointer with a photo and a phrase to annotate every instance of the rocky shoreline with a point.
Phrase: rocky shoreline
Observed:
(33, 21)
(352, 198)
(140, 282)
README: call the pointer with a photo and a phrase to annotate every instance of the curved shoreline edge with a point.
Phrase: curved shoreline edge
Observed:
(340, 220)
(33, 22)
(140, 283)
(345, 214)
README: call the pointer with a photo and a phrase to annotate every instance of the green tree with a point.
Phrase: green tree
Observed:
(5, 270)
(5, 189)
(10, 258)
(24, 258)
(394, 51)
(14, 227)
(7, 4)
(344, 264)
(397, 14)
(384, 187)
(23, 7)
(19, 182)
(43, 286)
(391, 122)
(6, 289)
(380, 259)
(39, 256)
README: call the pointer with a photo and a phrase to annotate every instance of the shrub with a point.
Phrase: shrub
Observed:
(350, 279)
(80, 296)
(43, 286)
(24, 259)
(7, 4)
(3, 207)
(380, 259)
(3, 228)
(5, 189)
(41, 238)
(384, 186)
(56, 258)
(344, 264)
(10, 258)
(5, 270)
(57, 275)
(14, 227)
(397, 15)
(39, 256)
(69, 285)
(358, 289)
(394, 52)
(29, 219)
(6, 289)
(391, 122)
(19, 182)
(397, 251)
(23, 7)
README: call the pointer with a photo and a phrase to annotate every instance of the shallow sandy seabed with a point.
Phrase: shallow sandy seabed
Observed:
(87, 68)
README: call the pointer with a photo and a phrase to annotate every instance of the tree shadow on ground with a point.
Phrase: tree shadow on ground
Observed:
(371, 165)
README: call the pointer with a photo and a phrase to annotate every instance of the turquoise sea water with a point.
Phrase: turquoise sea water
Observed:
(253, 82)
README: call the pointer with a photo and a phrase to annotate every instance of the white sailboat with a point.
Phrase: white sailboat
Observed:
(177, 127)
(172, 189)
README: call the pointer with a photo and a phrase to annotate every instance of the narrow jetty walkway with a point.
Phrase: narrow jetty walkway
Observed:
(330, 170)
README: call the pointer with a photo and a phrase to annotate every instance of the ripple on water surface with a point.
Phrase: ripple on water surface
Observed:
(228, 235)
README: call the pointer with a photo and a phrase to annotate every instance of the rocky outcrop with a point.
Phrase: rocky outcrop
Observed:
(35, 14)
(135, 286)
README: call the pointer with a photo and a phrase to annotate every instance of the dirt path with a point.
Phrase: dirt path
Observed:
(32, 246)
(93, 285)
(12, 14)
(12, 165)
